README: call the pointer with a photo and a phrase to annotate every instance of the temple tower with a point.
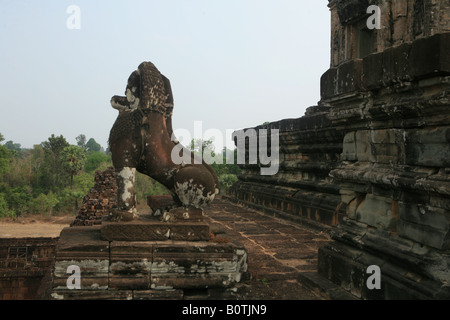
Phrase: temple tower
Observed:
(371, 162)
(388, 89)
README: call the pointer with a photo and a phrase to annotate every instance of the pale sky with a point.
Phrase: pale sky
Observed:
(232, 64)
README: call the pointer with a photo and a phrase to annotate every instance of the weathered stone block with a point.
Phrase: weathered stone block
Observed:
(425, 214)
(88, 267)
(130, 264)
(379, 212)
(428, 147)
(429, 56)
(388, 145)
(134, 231)
(328, 83)
(363, 146)
(92, 295)
(131, 282)
(140, 266)
(430, 236)
(349, 147)
(173, 294)
(82, 242)
(87, 283)
(160, 201)
(381, 146)
(387, 136)
(353, 204)
(203, 265)
(347, 265)
(350, 76)
(190, 232)
(349, 10)
(372, 73)
(154, 231)
(387, 152)
(182, 214)
(396, 65)
(84, 248)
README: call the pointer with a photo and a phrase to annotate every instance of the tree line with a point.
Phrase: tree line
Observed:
(54, 176)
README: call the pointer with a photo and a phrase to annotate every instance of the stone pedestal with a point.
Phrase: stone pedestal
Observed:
(154, 231)
(145, 260)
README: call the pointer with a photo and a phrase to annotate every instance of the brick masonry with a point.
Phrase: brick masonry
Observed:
(25, 267)
(99, 201)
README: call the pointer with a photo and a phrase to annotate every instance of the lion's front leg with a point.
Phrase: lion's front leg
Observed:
(126, 195)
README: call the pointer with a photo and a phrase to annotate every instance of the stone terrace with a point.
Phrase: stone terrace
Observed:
(282, 255)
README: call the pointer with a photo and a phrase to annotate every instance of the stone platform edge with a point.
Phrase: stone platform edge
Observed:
(167, 269)
(154, 231)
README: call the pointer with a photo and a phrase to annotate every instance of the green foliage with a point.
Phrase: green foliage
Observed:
(94, 159)
(17, 199)
(73, 159)
(81, 141)
(93, 146)
(54, 145)
(226, 180)
(44, 204)
(69, 200)
(4, 211)
(13, 146)
(146, 186)
(5, 157)
(226, 169)
(3, 205)
(54, 176)
(198, 145)
(83, 182)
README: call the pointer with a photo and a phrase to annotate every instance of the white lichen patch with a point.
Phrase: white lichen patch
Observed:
(166, 267)
(91, 267)
(132, 99)
(162, 287)
(57, 296)
(191, 194)
(127, 175)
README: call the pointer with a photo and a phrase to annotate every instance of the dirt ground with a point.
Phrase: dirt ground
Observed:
(34, 226)
(40, 225)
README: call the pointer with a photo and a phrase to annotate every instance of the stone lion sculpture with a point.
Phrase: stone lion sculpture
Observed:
(142, 139)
